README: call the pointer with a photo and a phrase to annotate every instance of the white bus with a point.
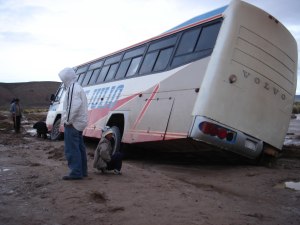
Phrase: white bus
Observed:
(225, 79)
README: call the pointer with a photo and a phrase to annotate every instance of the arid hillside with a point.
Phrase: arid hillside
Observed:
(31, 94)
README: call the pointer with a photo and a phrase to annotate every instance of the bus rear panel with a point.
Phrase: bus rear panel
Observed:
(250, 82)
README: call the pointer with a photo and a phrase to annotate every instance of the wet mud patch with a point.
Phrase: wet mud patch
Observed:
(98, 197)
(259, 216)
(13, 140)
(5, 123)
(56, 153)
(115, 209)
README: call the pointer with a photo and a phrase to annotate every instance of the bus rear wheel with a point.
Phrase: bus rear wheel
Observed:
(55, 133)
(268, 157)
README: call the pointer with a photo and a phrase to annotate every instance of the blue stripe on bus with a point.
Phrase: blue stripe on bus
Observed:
(200, 17)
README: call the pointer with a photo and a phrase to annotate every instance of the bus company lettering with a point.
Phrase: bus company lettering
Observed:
(267, 86)
(105, 97)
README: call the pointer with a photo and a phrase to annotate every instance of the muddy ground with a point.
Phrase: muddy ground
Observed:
(166, 189)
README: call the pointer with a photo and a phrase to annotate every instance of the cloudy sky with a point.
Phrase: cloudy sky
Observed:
(40, 37)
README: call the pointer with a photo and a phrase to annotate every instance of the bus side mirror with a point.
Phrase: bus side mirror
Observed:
(52, 97)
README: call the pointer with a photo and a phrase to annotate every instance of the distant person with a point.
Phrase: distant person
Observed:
(41, 129)
(74, 119)
(104, 159)
(17, 114)
(11, 111)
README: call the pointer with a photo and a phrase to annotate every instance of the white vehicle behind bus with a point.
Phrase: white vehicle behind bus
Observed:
(225, 79)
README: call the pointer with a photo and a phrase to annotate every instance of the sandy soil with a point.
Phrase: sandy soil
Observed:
(153, 189)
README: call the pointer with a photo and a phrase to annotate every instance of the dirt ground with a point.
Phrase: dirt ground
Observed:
(166, 189)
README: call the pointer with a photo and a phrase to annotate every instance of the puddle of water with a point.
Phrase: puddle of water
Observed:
(31, 132)
(292, 185)
(4, 169)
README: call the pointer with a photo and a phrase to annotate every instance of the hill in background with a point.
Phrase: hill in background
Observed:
(31, 94)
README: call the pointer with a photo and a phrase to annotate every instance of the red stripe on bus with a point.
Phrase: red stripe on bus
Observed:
(146, 106)
(142, 136)
(98, 114)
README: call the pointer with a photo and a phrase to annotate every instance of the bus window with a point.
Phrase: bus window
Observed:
(188, 42)
(168, 42)
(94, 76)
(111, 72)
(135, 52)
(158, 49)
(135, 62)
(87, 78)
(102, 74)
(96, 65)
(113, 59)
(59, 93)
(202, 48)
(130, 62)
(208, 37)
(149, 62)
(80, 78)
(163, 59)
(82, 69)
(123, 69)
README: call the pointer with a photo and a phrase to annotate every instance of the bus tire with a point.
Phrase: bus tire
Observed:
(267, 160)
(268, 157)
(116, 139)
(55, 133)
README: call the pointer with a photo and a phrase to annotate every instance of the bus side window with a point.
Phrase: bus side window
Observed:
(59, 94)
(80, 78)
(188, 42)
(148, 62)
(134, 65)
(131, 62)
(158, 51)
(208, 37)
(112, 71)
(163, 59)
(102, 74)
(193, 46)
(82, 69)
(94, 76)
(123, 69)
(87, 78)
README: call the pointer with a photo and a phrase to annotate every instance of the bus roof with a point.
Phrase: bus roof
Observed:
(201, 18)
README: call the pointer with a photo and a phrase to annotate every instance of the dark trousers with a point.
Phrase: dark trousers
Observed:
(75, 152)
(14, 121)
(115, 162)
(18, 124)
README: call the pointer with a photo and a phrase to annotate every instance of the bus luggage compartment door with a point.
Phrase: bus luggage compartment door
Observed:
(151, 117)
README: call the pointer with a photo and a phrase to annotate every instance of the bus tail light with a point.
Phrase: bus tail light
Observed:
(217, 131)
(222, 133)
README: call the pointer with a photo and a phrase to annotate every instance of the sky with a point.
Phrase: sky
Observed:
(38, 38)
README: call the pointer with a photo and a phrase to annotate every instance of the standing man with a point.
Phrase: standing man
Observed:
(12, 105)
(74, 119)
(16, 114)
